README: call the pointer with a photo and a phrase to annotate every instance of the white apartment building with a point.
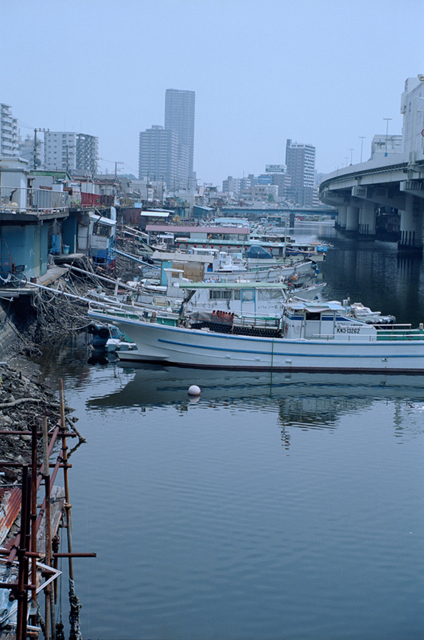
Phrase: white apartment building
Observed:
(8, 132)
(70, 151)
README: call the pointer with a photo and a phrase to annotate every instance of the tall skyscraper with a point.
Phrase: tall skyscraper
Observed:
(179, 117)
(300, 161)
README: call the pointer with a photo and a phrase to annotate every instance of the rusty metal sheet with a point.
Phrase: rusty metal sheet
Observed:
(10, 506)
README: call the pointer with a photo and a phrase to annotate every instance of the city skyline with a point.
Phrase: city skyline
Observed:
(280, 71)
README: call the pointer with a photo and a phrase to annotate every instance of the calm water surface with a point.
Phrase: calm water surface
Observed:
(273, 507)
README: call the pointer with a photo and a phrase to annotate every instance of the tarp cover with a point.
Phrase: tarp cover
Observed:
(258, 252)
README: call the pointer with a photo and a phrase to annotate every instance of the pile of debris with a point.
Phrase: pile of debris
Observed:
(24, 400)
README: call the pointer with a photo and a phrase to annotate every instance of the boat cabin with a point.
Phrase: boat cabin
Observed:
(325, 321)
(242, 298)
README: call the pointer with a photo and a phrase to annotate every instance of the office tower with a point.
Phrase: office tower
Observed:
(300, 161)
(69, 151)
(8, 132)
(179, 117)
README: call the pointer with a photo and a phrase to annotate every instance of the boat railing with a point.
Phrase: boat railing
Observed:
(346, 337)
(393, 327)
(389, 334)
(257, 322)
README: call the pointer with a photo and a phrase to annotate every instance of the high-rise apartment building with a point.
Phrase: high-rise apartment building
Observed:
(87, 153)
(179, 117)
(167, 153)
(158, 156)
(8, 132)
(300, 161)
(69, 151)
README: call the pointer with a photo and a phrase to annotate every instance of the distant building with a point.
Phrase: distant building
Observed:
(279, 178)
(231, 186)
(8, 132)
(179, 117)
(69, 151)
(300, 161)
(158, 156)
(166, 153)
(87, 153)
(265, 192)
(27, 151)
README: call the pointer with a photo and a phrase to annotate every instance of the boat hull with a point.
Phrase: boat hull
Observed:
(206, 349)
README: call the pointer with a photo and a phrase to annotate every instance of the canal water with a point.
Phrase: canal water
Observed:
(272, 507)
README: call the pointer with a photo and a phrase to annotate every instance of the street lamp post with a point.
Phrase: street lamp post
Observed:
(351, 155)
(387, 131)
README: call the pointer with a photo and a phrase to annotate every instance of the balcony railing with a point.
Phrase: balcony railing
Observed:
(27, 200)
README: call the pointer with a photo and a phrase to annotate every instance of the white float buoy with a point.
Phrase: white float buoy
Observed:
(194, 390)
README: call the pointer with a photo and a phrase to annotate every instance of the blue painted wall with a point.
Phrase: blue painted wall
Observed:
(70, 232)
(25, 244)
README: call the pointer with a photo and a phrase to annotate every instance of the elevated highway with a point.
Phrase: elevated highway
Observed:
(280, 210)
(395, 181)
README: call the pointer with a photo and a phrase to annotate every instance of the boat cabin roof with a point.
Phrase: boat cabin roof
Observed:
(233, 285)
(314, 307)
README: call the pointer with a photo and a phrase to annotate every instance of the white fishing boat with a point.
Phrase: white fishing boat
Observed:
(243, 297)
(207, 264)
(307, 337)
(361, 312)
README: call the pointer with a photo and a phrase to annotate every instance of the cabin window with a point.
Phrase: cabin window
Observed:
(237, 295)
(248, 295)
(269, 294)
(101, 230)
(219, 295)
(310, 315)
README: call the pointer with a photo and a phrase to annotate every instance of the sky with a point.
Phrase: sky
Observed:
(320, 72)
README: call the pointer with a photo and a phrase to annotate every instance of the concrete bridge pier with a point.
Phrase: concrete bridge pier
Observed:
(341, 217)
(367, 218)
(352, 220)
(411, 226)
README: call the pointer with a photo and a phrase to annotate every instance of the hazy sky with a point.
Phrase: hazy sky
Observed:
(322, 72)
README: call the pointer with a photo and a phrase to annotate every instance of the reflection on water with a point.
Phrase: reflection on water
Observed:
(266, 508)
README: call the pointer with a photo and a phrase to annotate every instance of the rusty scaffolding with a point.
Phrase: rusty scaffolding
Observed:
(38, 536)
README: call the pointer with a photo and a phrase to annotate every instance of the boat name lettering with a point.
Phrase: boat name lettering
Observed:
(347, 329)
